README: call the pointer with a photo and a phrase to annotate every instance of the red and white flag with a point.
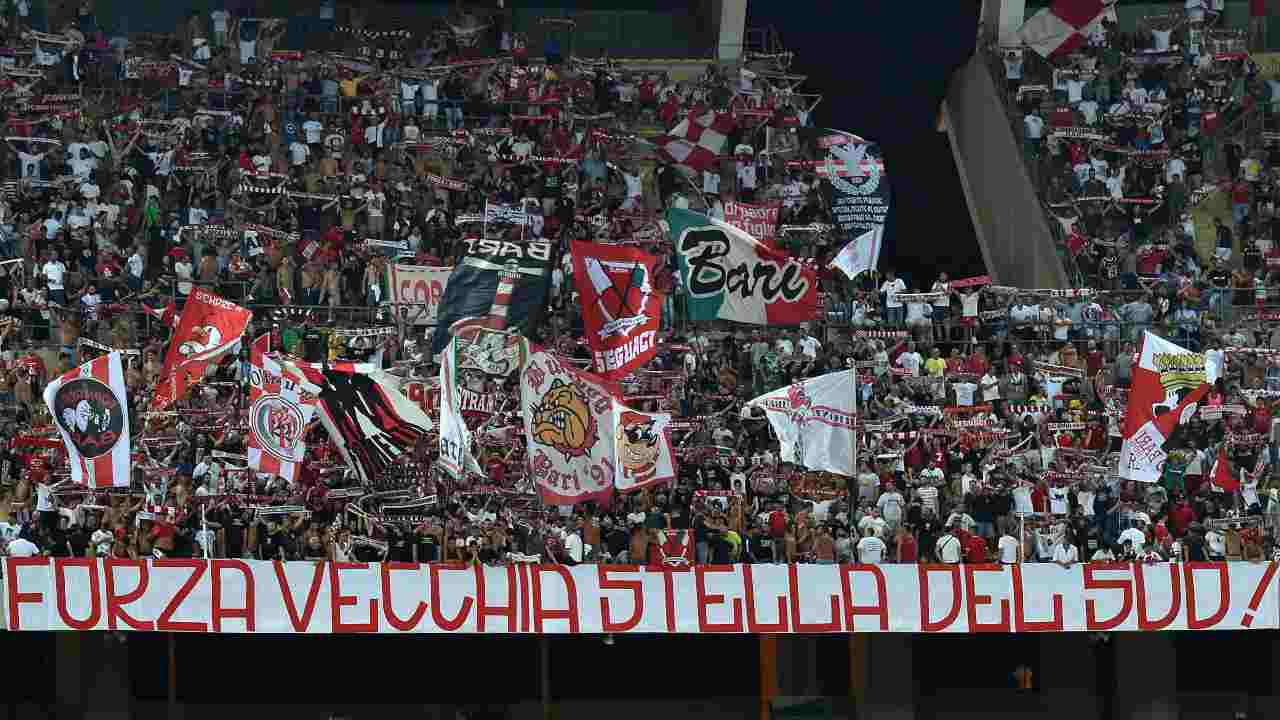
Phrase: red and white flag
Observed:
(697, 142)
(90, 406)
(677, 548)
(209, 328)
(1222, 476)
(278, 416)
(621, 307)
(1064, 26)
(168, 315)
(1168, 382)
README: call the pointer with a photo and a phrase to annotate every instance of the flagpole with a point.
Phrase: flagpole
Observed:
(854, 428)
(204, 530)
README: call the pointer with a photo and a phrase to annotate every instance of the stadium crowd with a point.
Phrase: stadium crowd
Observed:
(989, 417)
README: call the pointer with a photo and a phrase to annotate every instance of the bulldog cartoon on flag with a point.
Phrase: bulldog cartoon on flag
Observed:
(1168, 382)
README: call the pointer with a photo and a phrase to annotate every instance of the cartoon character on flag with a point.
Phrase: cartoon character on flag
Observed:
(1168, 383)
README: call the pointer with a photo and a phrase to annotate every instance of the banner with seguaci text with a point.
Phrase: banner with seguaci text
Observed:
(251, 596)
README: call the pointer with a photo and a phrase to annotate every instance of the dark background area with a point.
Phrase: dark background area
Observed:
(883, 68)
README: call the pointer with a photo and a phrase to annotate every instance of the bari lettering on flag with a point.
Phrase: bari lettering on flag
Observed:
(473, 292)
(569, 428)
(209, 328)
(1168, 382)
(90, 407)
(730, 275)
(279, 414)
(621, 308)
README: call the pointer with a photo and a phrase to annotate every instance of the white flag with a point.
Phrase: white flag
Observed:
(814, 421)
(862, 254)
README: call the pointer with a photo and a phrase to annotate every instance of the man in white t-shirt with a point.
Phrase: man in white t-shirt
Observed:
(911, 361)
(990, 386)
(918, 314)
(892, 285)
(183, 269)
(948, 548)
(375, 208)
(810, 346)
(1065, 553)
(747, 180)
(870, 548)
(22, 548)
(135, 266)
(55, 272)
(1033, 132)
(1135, 535)
(219, 18)
(635, 189)
(1007, 548)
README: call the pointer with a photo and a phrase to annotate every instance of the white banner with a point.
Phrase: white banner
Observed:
(419, 286)
(250, 596)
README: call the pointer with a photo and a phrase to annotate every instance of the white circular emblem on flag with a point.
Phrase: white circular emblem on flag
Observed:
(277, 422)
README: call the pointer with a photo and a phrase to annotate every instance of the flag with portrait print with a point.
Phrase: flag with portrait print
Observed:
(90, 407)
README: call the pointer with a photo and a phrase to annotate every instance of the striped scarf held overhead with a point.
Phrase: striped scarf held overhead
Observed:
(881, 334)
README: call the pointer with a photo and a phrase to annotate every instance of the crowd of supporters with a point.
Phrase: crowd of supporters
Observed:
(989, 417)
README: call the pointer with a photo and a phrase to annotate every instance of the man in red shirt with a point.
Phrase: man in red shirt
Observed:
(1241, 195)
(975, 548)
(1181, 516)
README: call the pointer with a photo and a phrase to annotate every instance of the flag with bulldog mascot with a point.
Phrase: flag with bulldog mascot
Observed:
(568, 416)
(208, 328)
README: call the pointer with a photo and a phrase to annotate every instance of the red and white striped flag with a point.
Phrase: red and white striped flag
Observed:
(91, 409)
(697, 142)
(278, 415)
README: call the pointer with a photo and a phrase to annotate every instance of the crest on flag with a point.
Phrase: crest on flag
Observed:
(1168, 382)
(209, 328)
(278, 421)
(621, 309)
(814, 421)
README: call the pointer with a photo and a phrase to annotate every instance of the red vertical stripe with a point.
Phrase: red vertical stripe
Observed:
(103, 470)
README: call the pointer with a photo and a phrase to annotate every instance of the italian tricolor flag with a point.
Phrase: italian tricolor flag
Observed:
(730, 275)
